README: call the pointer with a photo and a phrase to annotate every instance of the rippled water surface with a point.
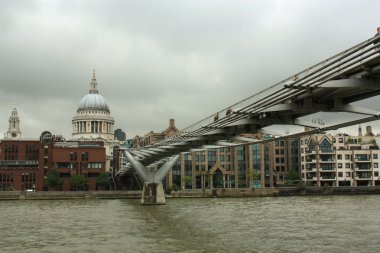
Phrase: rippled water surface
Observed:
(284, 224)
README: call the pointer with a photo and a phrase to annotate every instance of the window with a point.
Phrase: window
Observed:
(73, 156)
(325, 146)
(340, 174)
(31, 152)
(339, 165)
(339, 157)
(347, 157)
(312, 145)
(84, 156)
(10, 152)
(340, 140)
(94, 165)
(348, 174)
(376, 165)
(348, 166)
(374, 156)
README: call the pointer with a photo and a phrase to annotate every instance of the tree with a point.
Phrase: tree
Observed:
(252, 176)
(78, 183)
(293, 176)
(103, 180)
(53, 180)
(187, 180)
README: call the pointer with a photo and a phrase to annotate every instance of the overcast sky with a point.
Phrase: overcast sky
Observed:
(157, 60)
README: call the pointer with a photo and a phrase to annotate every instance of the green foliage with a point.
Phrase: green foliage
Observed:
(327, 189)
(293, 176)
(187, 179)
(302, 185)
(78, 183)
(53, 180)
(103, 180)
(175, 187)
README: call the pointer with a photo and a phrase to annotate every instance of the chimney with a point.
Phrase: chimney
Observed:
(171, 123)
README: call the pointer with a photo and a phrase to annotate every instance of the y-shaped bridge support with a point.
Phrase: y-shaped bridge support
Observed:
(153, 192)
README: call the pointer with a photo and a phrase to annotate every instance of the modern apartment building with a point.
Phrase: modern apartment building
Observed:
(340, 160)
(256, 165)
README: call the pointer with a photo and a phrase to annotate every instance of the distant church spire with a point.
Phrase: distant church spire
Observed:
(14, 125)
(93, 84)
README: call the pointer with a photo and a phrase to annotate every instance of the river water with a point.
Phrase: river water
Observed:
(274, 224)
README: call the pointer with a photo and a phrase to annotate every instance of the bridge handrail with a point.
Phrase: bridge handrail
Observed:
(237, 107)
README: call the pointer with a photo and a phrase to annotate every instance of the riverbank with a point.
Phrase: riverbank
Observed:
(50, 195)
(206, 193)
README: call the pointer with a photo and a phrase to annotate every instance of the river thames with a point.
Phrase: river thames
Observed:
(273, 224)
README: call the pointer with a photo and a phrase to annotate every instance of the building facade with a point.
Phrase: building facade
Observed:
(153, 137)
(86, 159)
(246, 166)
(340, 160)
(262, 165)
(20, 168)
(26, 164)
(93, 121)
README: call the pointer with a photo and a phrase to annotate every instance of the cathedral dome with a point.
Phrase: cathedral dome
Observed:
(93, 102)
(93, 119)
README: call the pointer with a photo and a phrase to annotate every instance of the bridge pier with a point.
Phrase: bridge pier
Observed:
(153, 194)
(153, 191)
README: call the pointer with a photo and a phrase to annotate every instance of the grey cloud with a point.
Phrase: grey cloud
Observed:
(157, 60)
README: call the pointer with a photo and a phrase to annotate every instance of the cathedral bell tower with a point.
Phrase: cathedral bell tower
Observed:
(14, 132)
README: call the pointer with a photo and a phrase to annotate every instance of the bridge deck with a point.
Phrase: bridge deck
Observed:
(329, 86)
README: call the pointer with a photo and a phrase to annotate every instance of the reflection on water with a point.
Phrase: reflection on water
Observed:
(288, 224)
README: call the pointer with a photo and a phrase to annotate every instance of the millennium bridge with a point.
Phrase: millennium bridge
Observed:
(329, 86)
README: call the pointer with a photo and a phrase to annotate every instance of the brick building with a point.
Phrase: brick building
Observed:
(78, 158)
(20, 165)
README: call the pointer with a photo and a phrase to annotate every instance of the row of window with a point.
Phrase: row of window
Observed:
(329, 166)
(67, 165)
(359, 157)
(347, 174)
(73, 156)
(11, 152)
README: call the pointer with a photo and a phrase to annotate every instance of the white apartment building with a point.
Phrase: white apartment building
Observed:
(340, 160)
